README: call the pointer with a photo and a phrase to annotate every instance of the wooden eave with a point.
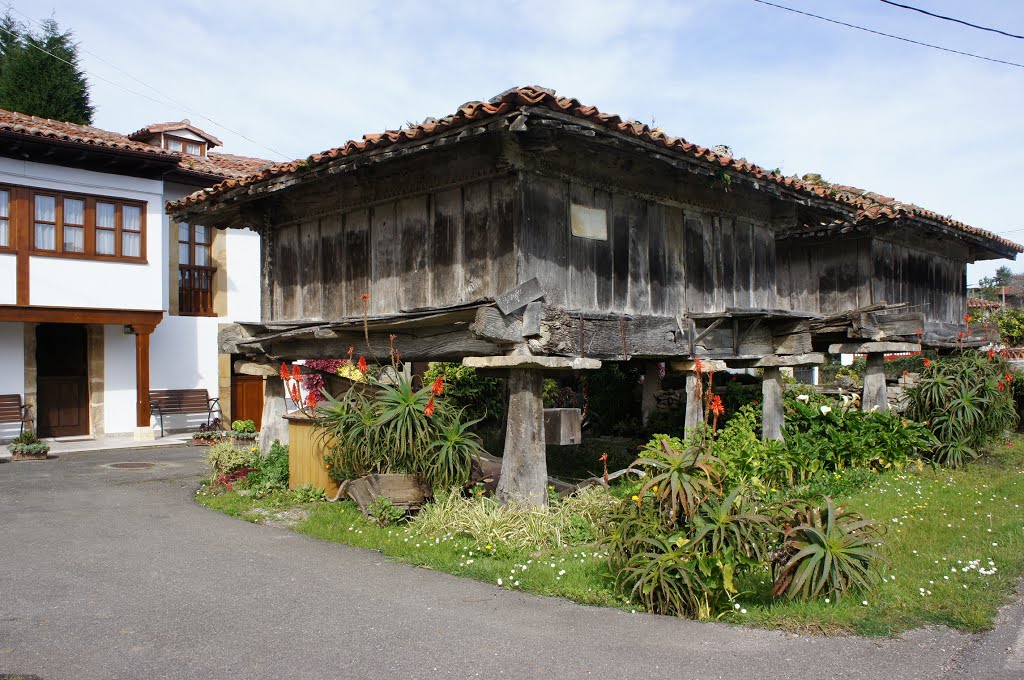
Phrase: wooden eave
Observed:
(126, 317)
(85, 156)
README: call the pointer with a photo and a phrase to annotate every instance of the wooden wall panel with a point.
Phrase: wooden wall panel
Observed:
(604, 256)
(446, 247)
(415, 264)
(476, 269)
(764, 267)
(385, 259)
(332, 265)
(310, 272)
(286, 268)
(357, 262)
(639, 256)
(743, 255)
(546, 236)
(505, 215)
(726, 249)
(693, 246)
(657, 260)
(675, 261)
(583, 277)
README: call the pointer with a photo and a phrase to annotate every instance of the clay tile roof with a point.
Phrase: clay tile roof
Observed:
(11, 121)
(213, 164)
(157, 128)
(867, 207)
(981, 303)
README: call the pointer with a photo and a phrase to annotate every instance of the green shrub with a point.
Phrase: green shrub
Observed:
(225, 458)
(680, 474)
(482, 399)
(243, 426)
(826, 552)
(271, 472)
(967, 401)
(307, 493)
(580, 518)
(384, 512)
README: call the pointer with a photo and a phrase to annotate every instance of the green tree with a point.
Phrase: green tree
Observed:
(39, 72)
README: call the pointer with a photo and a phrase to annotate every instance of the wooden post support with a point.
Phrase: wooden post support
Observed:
(275, 406)
(773, 412)
(143, 430)
(694, 405)
(874, 397)
(524, 470)
(652, 385)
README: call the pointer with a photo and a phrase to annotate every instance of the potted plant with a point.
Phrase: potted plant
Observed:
(27, 446)
(208, 435)
(395, 441)
(243, 432)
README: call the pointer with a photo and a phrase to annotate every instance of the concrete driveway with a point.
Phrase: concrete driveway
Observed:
(109, 573)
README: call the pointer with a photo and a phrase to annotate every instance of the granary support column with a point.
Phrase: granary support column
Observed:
(524, 468)
(695, 389)
(773, 412)
(652, 385)
(875, 396)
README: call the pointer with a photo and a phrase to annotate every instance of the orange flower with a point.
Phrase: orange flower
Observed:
(991, 353)
(311, 399)
(437, 389)
(967, 318)
(1001, 386)
(296, 373)
(429, 409)
(284, 372)
(1009, 378)
(716, 405)
(927, 362)
(698, 366)
(362, 364)
(295, 394)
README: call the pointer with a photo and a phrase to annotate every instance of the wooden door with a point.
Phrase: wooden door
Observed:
(63, 380)
(247, 398)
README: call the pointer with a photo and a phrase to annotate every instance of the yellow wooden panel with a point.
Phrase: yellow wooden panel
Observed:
(306, 458)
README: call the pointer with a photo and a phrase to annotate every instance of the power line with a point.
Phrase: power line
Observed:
(890, 35)
(958, 21)
(173, 103)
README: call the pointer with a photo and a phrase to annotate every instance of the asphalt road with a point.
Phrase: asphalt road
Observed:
(118, 574)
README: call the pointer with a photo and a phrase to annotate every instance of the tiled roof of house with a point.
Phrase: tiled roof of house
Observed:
(981, 303)
(213, 164)
(868, 207)
(157, 128)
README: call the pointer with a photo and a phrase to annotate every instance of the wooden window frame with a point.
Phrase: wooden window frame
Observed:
(11, 238)
(23, 217)
(184, 144)
(198, 302)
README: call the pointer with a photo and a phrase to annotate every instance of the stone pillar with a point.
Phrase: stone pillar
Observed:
(143, 429)
(275, 406)
(694, 404)
(652, 385)
(874, 384)
(524, 470)
(773, 415)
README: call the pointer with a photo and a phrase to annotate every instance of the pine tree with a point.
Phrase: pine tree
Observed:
(39, 72)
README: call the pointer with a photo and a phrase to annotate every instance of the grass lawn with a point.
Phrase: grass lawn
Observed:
(956, 548)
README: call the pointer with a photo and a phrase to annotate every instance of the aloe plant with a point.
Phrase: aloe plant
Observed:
(681, 475)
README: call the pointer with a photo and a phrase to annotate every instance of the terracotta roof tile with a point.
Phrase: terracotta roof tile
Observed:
(213, 164)
(868, 207)
(157, 128)
(981, 303)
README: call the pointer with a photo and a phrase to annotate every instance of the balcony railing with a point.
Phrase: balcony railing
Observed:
(195, 290)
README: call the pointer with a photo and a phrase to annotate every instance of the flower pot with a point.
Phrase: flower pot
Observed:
(18, 453)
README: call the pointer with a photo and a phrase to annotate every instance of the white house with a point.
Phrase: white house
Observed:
(102, 298)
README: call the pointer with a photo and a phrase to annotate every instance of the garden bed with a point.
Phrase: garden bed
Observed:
(947, 529)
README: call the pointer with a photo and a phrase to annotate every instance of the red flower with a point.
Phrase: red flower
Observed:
(991, 353)
(967, 318)
(296, 373)
(927, 362)
(437, 389)
(1001, 386)
(429, 409)
(311, 399)
(295, 394)
(716, 405)
(1009, 378)
(906, 372)
(284, 372)
(698, 366)
(362, 365)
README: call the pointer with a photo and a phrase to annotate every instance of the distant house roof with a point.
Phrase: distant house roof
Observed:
(981, 303)
(866, 206)
(216, 165)
(157, 128)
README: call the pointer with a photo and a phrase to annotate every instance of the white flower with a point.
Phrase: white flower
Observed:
(827, 600)
(865, 603)
(500, 581)
(804, 398)
(743, 611)
(825, 410)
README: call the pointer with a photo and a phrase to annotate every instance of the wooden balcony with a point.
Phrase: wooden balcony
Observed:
(195, 290)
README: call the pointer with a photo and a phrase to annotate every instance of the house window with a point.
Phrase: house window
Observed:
(5, 218)
(174, 144)
(78, 226)
(193, 148)
(195, 270)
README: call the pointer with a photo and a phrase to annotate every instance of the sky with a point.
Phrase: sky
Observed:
(285, 80)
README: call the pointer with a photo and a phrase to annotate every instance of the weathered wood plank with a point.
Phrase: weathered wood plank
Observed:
(385, 259)
(287, 302)
(582, 290)
(520, 296)
(604, 256)
(311, 273)
(332, 266)
(415, 275)
(657, 260)
(476, 269)
(773, 407)
(639, 254)
(446, 248)
(622, 218)
(546, 238)
(357, 263)
(696, 300)
(505, 220)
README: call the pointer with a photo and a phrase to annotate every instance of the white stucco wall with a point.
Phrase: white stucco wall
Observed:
(8, 279)
(243, 248)
(118, 380)
(183, 355)
(95, 283)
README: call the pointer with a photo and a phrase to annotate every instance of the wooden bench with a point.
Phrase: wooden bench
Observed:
(13, 411)
(179, 402)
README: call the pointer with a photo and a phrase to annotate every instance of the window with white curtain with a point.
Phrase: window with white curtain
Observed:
(45, 218)
(131, 231)
(5, 218)
(74, 225)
